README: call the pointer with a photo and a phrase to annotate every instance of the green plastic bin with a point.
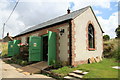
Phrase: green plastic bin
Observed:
(13, 47)
(10, 48)
(16, 47)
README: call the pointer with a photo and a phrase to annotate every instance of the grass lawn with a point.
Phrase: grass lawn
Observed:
(102, 69)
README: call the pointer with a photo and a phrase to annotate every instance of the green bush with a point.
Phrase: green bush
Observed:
(56, 64)
(118, 52)
(9, 61)
(117, 56)
(108, 48)
(106, 37)
(112, 49)
(18, 59)
(23, 63)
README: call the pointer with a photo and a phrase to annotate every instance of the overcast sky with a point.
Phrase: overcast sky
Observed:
(32, 12)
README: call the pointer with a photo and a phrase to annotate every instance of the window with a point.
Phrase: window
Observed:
(91, 40)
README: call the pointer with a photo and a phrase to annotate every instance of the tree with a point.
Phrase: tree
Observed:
(106, 37)
(118, 31)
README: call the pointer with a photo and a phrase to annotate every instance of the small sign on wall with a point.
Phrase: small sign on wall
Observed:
(34, 44)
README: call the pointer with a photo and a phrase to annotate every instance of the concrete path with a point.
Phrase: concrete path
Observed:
(8, 71)
(34, 68)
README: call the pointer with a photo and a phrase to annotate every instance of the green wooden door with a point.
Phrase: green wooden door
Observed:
(35, 48)
(16, 48)
(51, 47)
(10, 48)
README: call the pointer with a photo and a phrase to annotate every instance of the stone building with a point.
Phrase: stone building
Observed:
(71, 39)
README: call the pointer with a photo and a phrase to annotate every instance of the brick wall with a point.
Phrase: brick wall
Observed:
(62, 41)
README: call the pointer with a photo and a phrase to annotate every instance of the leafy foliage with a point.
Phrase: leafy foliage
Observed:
(106, 37)
(118, 31)
(112, 49)
(108, 48)
(56, 64)
(18, 59)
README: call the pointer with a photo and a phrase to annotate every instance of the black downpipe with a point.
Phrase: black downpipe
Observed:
(70, 43)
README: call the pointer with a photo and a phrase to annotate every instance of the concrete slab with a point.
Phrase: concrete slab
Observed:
(78, 71)
(75, 75)
(18, 69)
(30, 70)
(116, 67)
(35, 68)
(26, 73)
(84, 73)
(70, 78)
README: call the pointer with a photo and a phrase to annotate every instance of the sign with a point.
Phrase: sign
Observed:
(34, 44)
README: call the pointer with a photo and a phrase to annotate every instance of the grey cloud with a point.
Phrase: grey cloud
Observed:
(34, 13)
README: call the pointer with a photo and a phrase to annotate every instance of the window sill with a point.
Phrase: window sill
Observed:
(91, 49)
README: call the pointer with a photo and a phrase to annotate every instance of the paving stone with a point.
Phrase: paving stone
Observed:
(75, 75)
(70, 78)
(78, 71)
(26, 73)
(116, 67)
(84, 73)
(18, 69)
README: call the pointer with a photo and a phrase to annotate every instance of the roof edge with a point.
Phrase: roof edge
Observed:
(83, 11)
(96, 19)
(42, 28)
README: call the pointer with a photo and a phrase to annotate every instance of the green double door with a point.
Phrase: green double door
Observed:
(36, 44)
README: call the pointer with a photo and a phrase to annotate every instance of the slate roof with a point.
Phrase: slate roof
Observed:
(59, 19)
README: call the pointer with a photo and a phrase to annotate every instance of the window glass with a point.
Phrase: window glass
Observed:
(91, 36)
